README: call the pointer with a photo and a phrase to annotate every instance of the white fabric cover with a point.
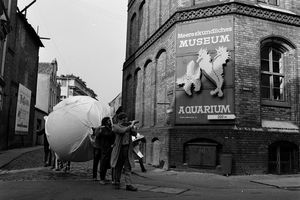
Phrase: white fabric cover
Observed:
(69, 127)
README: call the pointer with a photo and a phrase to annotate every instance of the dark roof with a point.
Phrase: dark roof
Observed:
(45, 68)
(29, 28)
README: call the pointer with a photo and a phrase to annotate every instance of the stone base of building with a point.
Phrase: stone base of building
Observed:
(228, 150)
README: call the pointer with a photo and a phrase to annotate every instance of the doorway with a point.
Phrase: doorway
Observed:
(283, 158)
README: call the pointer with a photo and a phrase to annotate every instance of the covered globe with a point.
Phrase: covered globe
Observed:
(69, 127)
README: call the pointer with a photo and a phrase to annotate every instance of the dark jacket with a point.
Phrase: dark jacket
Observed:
(42, 132)
(104, 138)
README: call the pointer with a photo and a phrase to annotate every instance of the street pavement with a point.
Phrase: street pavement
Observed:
(22, 176)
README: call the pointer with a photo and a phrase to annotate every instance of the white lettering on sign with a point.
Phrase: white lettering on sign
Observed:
(207, 109)
(206, 32)
(204, 41)
(220, 117)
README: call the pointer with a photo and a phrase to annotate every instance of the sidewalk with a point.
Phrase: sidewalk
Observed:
(172, 178)
(210, 180)
(9, 155)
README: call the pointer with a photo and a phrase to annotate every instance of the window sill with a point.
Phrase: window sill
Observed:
(275, 103)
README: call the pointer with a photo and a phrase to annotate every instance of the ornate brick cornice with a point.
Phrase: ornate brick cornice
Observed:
(212, 11)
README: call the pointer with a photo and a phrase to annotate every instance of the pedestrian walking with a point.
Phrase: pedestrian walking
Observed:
(107, 138)
(59, 164)
(123, 150)
(97, 152)
(47, 150)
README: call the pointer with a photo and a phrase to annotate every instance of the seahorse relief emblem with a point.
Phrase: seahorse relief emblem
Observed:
(212, 68)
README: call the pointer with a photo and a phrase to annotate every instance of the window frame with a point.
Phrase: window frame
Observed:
(272, 46)
(268, 2)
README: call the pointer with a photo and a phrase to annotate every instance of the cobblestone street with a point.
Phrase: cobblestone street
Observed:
(29, 166)
(29, 179)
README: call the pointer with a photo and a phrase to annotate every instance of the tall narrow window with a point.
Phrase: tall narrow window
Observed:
(128, 96)
(132, 34)
(138, 95)
(272, 74)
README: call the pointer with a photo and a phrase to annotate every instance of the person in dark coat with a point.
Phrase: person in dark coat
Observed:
(47, 150)
(103, 142)
(107, 138)
(97, 153)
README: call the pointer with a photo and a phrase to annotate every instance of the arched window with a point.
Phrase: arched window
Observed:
(142, 30)
(274, 55)
(148, 97)
(138, 95)
(161, 89)
(132, 34)
(128, 96)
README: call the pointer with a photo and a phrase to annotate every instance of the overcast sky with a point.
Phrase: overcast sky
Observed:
(88, 39)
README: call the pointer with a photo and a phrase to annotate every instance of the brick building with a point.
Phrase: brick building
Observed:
(210, 78)
(18, 79)
(47, 95)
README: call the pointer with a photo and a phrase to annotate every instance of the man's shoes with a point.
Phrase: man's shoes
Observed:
(107, 181)
(117, 185)
(131, 188)
(102, 182)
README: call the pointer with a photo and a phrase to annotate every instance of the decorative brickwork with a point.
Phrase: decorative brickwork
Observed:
(229, 8)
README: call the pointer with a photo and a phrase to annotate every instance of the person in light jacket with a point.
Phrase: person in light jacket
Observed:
(122, 153)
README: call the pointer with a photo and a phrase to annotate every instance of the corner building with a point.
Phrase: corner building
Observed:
(208, 78)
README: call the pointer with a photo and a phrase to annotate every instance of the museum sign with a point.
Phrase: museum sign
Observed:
(204, 72)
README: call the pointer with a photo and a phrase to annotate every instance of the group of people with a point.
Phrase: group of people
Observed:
(114, 148)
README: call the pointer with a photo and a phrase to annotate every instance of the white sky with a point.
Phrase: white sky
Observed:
(88, 39)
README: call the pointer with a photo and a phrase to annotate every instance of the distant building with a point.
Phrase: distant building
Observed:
(48, 93)
(71, 85)
(19, 57)
(115, 104)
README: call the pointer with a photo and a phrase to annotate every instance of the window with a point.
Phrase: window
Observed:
(132, 34)
(278, 71)
(272, 74)
(64, 83)
(270, 2)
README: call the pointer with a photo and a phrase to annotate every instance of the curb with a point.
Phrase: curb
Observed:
(280, 187)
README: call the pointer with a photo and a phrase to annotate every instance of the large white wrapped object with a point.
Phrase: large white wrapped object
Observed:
(69, 127)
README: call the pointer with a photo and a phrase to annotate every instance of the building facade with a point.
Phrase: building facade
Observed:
(71, 85)
(215, 78)
(47, 94)
(18, 79)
